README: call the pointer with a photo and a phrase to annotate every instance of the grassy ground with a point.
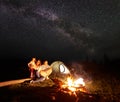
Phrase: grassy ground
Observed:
(47, 91)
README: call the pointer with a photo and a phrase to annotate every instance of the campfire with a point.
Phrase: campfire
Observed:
(71, 86)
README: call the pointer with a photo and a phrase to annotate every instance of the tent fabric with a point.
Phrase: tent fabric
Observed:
(59, 70)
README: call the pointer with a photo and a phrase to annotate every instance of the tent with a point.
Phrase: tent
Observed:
(59, 71)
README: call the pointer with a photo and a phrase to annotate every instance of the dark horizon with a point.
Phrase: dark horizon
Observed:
(12, 69)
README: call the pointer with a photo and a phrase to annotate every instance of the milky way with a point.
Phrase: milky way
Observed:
(60, 29)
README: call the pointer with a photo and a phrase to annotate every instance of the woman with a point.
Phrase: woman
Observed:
(32, 68)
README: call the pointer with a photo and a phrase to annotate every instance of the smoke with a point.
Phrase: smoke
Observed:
(78, 70)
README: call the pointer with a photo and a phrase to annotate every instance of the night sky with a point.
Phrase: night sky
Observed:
(60, 29)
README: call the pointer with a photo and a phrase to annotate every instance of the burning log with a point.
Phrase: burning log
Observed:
(71, 87)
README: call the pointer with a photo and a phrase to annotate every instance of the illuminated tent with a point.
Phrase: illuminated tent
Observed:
(59, 71)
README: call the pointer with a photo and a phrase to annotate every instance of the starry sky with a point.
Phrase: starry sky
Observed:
(60, 29)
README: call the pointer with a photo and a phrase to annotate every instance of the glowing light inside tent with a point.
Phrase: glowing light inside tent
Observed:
(64, 70)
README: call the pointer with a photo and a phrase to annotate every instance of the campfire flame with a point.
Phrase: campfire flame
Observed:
(74, 86)
(79, 81)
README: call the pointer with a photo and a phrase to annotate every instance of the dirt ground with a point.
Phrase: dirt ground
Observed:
(46, 91)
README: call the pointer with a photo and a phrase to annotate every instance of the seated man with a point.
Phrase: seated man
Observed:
(38, 64)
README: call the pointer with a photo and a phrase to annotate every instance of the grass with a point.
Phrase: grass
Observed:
(108, 88)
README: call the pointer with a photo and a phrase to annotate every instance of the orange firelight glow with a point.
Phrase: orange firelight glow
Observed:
(72, 85)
